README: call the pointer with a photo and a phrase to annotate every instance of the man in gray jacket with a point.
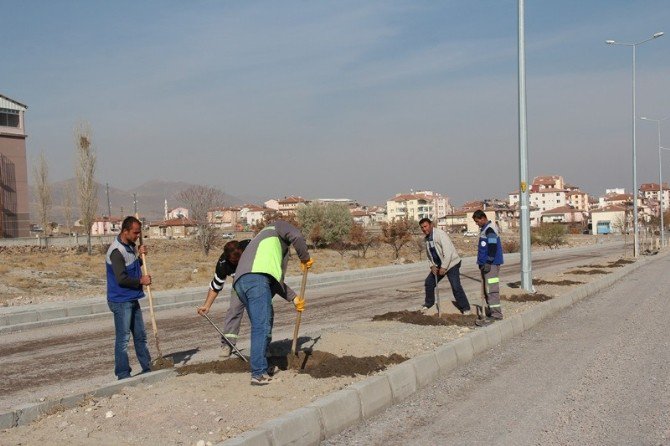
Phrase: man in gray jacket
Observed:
(444, 261)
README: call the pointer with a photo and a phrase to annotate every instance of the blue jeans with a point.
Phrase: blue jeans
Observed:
(454, 276)
(128, 319)
(254, 291)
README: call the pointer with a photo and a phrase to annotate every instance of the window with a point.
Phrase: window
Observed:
(9, 118)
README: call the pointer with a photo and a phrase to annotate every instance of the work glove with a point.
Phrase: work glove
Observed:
(485, 268)
(306, 264)
(299, 303)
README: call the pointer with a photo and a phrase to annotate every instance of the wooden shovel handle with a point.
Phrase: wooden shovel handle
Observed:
(303, 284)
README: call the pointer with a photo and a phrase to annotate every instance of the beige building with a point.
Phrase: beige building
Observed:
(551, 192)
(610, 219)
(106, 225)
(173, 228)
(14, 211)
(418, 205)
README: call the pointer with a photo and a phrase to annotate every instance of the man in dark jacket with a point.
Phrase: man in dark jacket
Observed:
(124, 289)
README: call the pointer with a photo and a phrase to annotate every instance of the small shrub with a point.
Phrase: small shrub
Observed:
(549, 234)
(510, 246)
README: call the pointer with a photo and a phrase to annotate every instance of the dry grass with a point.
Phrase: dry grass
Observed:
(31, 275)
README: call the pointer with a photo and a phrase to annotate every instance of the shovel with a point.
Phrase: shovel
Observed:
(237, 352)
(437, 295)
(161, 362)
(303, 284)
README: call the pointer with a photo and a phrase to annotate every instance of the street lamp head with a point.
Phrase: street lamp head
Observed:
(658, 34)
(610, 42)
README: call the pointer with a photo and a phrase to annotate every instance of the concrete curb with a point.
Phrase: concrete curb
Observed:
(336, 412)
(27, 413)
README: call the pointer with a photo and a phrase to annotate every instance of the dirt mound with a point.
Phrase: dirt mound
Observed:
(418, 318)
(564, 282)
(537, 297)
(587, 271)
(316, 364)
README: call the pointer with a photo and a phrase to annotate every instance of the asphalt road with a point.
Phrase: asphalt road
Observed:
(596, 374)
(59, 360)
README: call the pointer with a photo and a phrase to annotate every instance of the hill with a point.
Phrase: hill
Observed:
(150, 197)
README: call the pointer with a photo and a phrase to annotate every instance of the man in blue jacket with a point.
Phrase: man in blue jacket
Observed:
(489, 259)
(124, 289)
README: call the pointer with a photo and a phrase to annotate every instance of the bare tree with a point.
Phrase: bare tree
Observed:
(44, 202)
(200, 200)
(396, 234)
(68, 199)
(87, 188)
(362, 239)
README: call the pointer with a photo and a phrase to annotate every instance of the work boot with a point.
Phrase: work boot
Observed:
(226, 351)
(262, 380)
(485, 322)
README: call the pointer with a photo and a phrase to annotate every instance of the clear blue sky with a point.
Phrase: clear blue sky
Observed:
(357, 99)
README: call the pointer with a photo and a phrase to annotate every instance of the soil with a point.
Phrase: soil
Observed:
(528, 297)
(564, 282)
(419, 318)
(315, 363)
(587, 271)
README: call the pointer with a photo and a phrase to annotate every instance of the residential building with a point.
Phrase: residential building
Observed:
(564, 214)
(288, 205)
(611, 219)
(251, 214)
(106, 225)
(651, 191)
(14, 210)
(551, 192)
(173, 228)
(418, 205)
(224, 218)
(178, 212)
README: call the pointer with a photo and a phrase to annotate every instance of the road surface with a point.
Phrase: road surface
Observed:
(596, 374)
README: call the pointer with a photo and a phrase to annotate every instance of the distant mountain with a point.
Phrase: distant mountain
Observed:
(150, 197)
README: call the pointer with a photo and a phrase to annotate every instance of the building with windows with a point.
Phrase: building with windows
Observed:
(418, 205)
(14, 211)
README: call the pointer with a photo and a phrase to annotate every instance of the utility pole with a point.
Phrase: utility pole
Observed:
(524, 217)
(109, 203)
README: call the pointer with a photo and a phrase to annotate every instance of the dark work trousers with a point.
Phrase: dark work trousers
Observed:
(491, 281)
(454, 276)
(231, 326)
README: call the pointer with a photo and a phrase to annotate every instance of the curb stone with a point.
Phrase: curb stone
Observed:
(406, 378)
(27, 413)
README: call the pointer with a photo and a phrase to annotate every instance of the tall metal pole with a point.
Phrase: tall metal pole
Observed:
(636, 235)
(524, 217)
(636, 246)
(660, 173)
(660, 182)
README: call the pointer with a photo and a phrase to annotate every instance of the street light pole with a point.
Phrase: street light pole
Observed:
(634, 45)
(524, 216)
(660, 173)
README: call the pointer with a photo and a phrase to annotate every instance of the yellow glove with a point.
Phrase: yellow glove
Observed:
(299, 303)
(304, 266)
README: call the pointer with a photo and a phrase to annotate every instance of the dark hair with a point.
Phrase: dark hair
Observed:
(425, 220)
(229, 248)
(479, 214)
(128, 223)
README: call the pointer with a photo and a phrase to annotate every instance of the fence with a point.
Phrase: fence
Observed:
(63, 241)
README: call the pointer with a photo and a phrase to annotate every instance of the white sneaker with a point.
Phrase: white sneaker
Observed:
(467, 313)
